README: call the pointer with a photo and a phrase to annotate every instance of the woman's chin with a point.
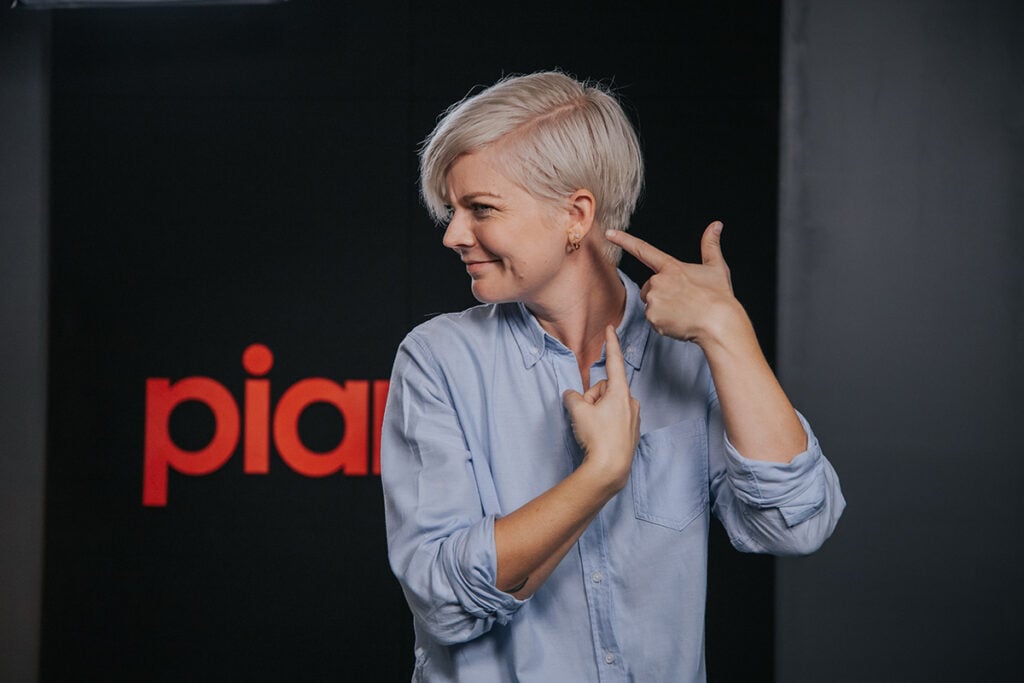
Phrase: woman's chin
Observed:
(489, 295)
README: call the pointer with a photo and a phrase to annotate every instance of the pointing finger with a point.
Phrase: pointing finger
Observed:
(645, 253)
(614, 364)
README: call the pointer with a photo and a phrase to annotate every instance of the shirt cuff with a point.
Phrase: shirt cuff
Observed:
(472, 571)
(796, 488)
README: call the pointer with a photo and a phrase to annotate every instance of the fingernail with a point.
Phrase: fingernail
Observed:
(718, 228)
(609, 233)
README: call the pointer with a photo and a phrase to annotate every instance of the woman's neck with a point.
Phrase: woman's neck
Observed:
(593, 299)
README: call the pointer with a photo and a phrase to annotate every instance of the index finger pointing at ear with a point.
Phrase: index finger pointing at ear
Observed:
(614, 365)
(646, 253)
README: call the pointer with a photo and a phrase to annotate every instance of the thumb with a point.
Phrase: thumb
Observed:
(711, 245)
(572, 398)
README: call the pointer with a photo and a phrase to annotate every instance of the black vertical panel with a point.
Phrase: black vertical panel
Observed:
(226, 176)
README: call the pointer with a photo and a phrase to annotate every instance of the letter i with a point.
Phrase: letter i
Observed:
(380, 399)
(257, 360)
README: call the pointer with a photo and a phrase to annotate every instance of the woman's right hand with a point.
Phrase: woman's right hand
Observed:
(606, 419)
(532, 539)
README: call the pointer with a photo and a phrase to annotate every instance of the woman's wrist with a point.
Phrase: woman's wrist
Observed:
(727, 328)
(601, 476)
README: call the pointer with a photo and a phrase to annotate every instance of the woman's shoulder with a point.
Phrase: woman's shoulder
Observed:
(470, 325)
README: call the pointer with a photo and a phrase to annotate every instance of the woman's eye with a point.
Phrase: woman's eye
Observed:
(482, 209)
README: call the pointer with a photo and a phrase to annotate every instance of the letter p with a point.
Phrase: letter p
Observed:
(162, 398)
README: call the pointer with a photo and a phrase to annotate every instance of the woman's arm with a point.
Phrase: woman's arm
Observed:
(457, 569)
(440, 542)
(695, 302)
(533, 539)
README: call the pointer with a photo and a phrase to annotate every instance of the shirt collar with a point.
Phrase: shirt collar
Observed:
(533, 340)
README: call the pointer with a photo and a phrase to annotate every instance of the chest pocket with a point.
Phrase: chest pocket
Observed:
(670, 474)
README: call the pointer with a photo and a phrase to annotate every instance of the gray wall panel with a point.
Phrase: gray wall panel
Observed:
(901, 325)
(24, 129)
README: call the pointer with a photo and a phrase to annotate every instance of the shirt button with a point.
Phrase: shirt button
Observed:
(609, 658)
(597, 577)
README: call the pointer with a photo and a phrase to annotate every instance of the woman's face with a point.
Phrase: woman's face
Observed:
(513, 245)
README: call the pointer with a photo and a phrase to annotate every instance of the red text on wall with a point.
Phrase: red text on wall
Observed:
(360, 403)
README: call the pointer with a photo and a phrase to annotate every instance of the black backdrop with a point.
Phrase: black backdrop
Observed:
(230, 176)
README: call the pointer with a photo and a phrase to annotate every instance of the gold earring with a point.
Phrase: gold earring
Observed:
(574, 241)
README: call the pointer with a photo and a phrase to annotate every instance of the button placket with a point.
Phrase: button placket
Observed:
(592, 544)
(593, 554)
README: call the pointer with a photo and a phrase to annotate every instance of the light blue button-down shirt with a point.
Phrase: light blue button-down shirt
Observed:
(475, 428)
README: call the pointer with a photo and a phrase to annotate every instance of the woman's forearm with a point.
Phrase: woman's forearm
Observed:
(532, 540)
(759, 418)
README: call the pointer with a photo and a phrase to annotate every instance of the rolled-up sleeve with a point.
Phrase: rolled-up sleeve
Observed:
(440, 543)
(770, 507)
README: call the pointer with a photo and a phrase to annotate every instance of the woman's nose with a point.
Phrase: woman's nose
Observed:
(459, 233)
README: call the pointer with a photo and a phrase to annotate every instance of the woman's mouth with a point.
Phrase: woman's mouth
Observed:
(476, 267)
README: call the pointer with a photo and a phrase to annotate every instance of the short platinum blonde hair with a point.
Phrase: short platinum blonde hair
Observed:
(554, 135)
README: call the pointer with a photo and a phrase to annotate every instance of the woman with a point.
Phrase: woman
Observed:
(550, 459)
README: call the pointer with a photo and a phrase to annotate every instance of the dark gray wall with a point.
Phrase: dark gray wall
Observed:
(900, 334)
(24, 117)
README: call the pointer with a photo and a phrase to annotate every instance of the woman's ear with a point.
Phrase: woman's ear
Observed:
(581, 212)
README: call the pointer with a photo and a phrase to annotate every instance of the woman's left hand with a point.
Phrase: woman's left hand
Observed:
(688, 301)
(695, 302)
